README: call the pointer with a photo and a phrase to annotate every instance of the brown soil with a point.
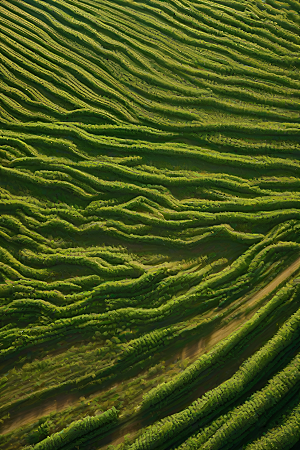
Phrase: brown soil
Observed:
(50, 405)
(281, 277)
(207, 342)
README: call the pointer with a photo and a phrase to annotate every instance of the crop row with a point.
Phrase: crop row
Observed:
(285, 434)
(79, 429)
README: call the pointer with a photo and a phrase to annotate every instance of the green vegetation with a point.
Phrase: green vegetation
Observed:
(149, 224)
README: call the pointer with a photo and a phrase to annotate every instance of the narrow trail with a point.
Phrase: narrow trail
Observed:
(281, 277)
(207, 342)
(48, 406)
(192, 350)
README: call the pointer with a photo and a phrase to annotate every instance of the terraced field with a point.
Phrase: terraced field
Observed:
(149, 224)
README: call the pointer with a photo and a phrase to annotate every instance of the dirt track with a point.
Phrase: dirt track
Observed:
(207, 342)
(282, 276)
(50, 405)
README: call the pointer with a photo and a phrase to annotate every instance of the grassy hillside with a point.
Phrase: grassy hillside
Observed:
(149, 224)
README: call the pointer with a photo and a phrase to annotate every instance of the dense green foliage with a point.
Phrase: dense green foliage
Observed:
(77, 430)
(149, 210)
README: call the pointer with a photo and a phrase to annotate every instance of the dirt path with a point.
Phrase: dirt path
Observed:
(281, 277)
(50, 405)
(207, 342)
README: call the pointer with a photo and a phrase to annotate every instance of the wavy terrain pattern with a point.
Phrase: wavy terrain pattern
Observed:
(149, 224)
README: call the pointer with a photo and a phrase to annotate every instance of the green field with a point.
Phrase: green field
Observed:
(149, 225)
